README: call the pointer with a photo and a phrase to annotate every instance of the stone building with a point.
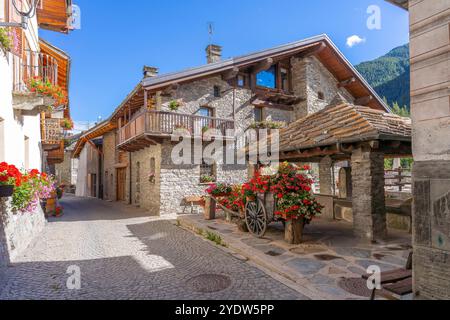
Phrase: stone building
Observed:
(281, 84)
(430, 110)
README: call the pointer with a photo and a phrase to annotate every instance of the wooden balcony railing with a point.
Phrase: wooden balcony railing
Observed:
(161, 124)
(52, 132)
(33, 64)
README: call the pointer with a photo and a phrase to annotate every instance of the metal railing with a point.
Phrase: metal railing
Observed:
(165, 123)
(33, 64)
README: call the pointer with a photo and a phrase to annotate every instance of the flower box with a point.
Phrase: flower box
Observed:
(6, 191)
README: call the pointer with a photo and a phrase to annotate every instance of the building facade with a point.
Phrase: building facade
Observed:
(275, 86)
(31, 136)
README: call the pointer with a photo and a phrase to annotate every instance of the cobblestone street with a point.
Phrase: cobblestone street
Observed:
(123, 254)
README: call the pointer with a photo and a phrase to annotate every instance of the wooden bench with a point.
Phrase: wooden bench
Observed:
(192, 201)
(396, 283)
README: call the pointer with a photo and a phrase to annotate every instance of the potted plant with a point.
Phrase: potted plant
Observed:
(47, 89)
(67, 124)
(5, 39)
(10, 177)
(174, 105)
(206, 178)
(271, 125)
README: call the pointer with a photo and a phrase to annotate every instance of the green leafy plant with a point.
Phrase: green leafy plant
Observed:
(268, 125)
(174, 105)
(206, 178)
(214, 238)
(5, 39)
(67, 124)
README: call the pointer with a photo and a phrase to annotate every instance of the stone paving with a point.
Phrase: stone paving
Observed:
(329, 255)
(123, 254)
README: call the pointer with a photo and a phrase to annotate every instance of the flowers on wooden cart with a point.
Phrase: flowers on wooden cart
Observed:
(28, 186)
(235, 200)
(219, 190)
(46, 88)
(292, 188)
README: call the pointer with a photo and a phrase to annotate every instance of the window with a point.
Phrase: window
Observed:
(205, 112)
(241, 81)
(217, 92)
(268, 78)
(258, 113)
(284, 77)
(321, 95)
(207, 172)
(27, 153)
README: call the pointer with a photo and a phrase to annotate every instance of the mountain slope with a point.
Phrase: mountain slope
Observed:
(389, 75)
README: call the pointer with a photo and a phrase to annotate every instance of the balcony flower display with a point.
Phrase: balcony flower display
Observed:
(67, 124)
(46, 88)
(28, 187)
(5, 39)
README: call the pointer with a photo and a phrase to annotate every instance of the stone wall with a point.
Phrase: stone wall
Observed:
(430, 109)
(145, 192)
(178, 182)
(109, 163)
(64, 170)
(17, 231)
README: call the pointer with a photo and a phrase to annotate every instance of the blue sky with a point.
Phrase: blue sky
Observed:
(118, 37)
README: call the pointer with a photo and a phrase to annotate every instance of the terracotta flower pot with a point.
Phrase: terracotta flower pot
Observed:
(6, 191)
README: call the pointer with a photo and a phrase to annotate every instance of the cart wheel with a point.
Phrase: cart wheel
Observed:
(256, 218)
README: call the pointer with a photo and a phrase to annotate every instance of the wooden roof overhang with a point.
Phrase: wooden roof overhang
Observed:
(96, 132)
(64, 65)
(54, 15)
(132, 103)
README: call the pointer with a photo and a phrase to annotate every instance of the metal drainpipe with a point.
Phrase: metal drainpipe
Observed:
(130, 201)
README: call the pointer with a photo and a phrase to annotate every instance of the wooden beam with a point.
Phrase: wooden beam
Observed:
(262, 66)
(347, 82)
(363, 101)
(272, 105)
(230, 74)
(312, 51)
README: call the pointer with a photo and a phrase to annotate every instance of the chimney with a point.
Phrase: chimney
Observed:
(150, 72)
(213, 53)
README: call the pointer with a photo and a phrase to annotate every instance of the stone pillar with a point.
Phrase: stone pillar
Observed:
(369, 203)
(345, 183)
(326, 176)
(430, 109)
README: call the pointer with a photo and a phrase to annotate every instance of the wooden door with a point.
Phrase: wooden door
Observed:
(121, 181)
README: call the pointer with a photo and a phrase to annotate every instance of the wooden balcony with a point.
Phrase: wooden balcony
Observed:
(52, 134)
(152, 127)
(56, 156)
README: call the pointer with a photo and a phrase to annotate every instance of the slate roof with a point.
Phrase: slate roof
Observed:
(344, 123)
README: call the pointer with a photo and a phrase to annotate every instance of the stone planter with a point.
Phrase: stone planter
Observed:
(6, 191)
(293, 232)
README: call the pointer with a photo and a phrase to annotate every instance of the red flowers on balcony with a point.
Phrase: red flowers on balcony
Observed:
(46, 88)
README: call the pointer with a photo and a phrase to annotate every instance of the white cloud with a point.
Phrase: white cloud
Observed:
(354, 40)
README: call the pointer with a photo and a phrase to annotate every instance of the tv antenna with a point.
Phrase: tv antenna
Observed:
(25, 15)
(210, 31)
